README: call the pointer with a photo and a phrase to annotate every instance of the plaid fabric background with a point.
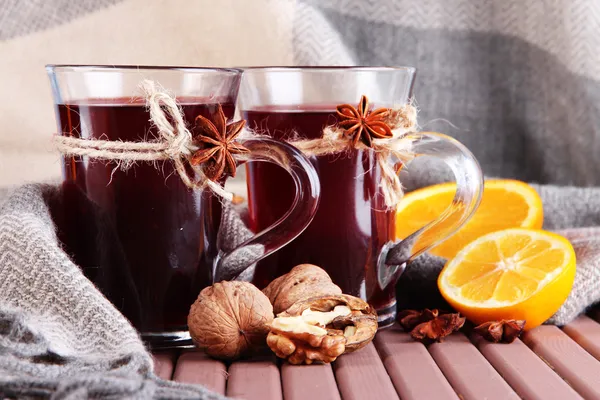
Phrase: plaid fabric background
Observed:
(518, 79)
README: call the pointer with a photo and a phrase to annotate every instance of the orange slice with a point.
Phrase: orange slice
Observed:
(505, 204)
(511, 274)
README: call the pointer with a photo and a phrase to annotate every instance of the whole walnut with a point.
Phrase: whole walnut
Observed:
(302, 282)
(230, 319)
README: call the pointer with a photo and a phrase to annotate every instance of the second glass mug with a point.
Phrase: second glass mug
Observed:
(353, 233)
(146, 240)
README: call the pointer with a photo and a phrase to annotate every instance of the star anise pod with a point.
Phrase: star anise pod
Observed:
(217, 144)
(408, 319)
(430, 325)
(505, 331)
(438, 328)
(362, 124)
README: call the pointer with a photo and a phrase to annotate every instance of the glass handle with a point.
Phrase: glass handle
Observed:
(292, 223)
(469, 189)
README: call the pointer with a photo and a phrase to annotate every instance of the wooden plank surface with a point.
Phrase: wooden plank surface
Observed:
(361, 375)
(524, 371)
(586, 332)
(255, 380)
(313, 382)
(569, 360)
(469, 373)
(196, 367)
(549, 363)
(164, 362)
(411, 368)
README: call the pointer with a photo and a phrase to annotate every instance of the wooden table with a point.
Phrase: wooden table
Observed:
(547, 363)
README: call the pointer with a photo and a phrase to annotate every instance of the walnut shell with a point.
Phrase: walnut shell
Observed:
(362, 320)
(322, 328)
(230, 319)
(302, 282)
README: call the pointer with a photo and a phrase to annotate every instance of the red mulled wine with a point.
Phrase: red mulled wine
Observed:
(143, 237)
(351, 225)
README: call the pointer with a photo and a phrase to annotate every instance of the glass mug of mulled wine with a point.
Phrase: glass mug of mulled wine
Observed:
(148, 241)
(353, 233)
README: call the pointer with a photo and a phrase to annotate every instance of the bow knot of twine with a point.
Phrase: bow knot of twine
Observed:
(175, 143)
(177, 137)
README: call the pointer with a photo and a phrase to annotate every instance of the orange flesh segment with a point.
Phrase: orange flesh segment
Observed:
(508, 268)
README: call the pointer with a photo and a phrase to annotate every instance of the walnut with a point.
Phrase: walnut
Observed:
(505, 331)
(230, 319)
(359, 326)
(322, 328)
(306, 347)
(302, 282)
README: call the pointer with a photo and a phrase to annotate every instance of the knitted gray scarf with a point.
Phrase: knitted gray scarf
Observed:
(60, 338)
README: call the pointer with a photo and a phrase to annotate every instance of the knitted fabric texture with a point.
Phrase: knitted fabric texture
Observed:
(59, 336)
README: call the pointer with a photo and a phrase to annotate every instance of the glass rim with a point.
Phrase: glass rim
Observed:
(52, 68)
(307, 68)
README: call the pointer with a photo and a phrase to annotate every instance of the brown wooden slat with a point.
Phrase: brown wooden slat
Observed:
(255, 380)
(568, 359)
(196, 367)
(528, 375)
(412, 369)
(468, 371)
(586, 332)
(361, 375)
(313, 382)
(163, 364)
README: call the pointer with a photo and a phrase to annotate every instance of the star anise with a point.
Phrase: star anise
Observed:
(430, 325)
(217, 144)
(362, 124)
(438, 328)
(408, 319)
(505, 331)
